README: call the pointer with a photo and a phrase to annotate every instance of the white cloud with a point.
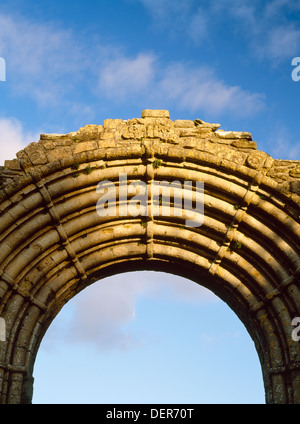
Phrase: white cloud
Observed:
(168, 13)
(147, 81)
(281, 42)
(271, 32)
(195, 88)
(44, 61)
(13, 138)
(281, 147)
(269, 28)
(197, 27)
(123, 77)
(102, 312)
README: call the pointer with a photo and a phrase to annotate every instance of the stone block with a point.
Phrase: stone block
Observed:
(233, 134)
(85, 146)
(13, 165)
(244, 144)
(148, 113)
(36, 154)
(182, 123)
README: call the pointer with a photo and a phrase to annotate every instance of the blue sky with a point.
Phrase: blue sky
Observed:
(70, 63)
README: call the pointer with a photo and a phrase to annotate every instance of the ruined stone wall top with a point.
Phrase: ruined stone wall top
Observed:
(154, 130)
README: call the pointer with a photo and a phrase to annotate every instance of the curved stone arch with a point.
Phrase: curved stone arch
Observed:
(53, 243)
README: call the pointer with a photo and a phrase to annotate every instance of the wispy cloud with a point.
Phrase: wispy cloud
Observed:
(280, 43)
(37, 56)
(191, 88)
(281, 146)
(198, 88)
(123, 77)
(270, 30)
(13, 138)
(272, 33)
(169, 14)
(48, 63)
(179, 17)
(101, 313)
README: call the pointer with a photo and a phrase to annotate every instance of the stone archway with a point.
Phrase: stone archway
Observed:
(53, 243)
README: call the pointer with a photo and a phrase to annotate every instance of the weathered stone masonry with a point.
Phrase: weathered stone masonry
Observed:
(53, 244)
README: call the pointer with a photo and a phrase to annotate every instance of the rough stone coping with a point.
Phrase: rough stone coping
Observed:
(149, 113)
(196, 137)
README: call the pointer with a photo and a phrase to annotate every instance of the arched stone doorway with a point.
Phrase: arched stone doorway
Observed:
(54, 243)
